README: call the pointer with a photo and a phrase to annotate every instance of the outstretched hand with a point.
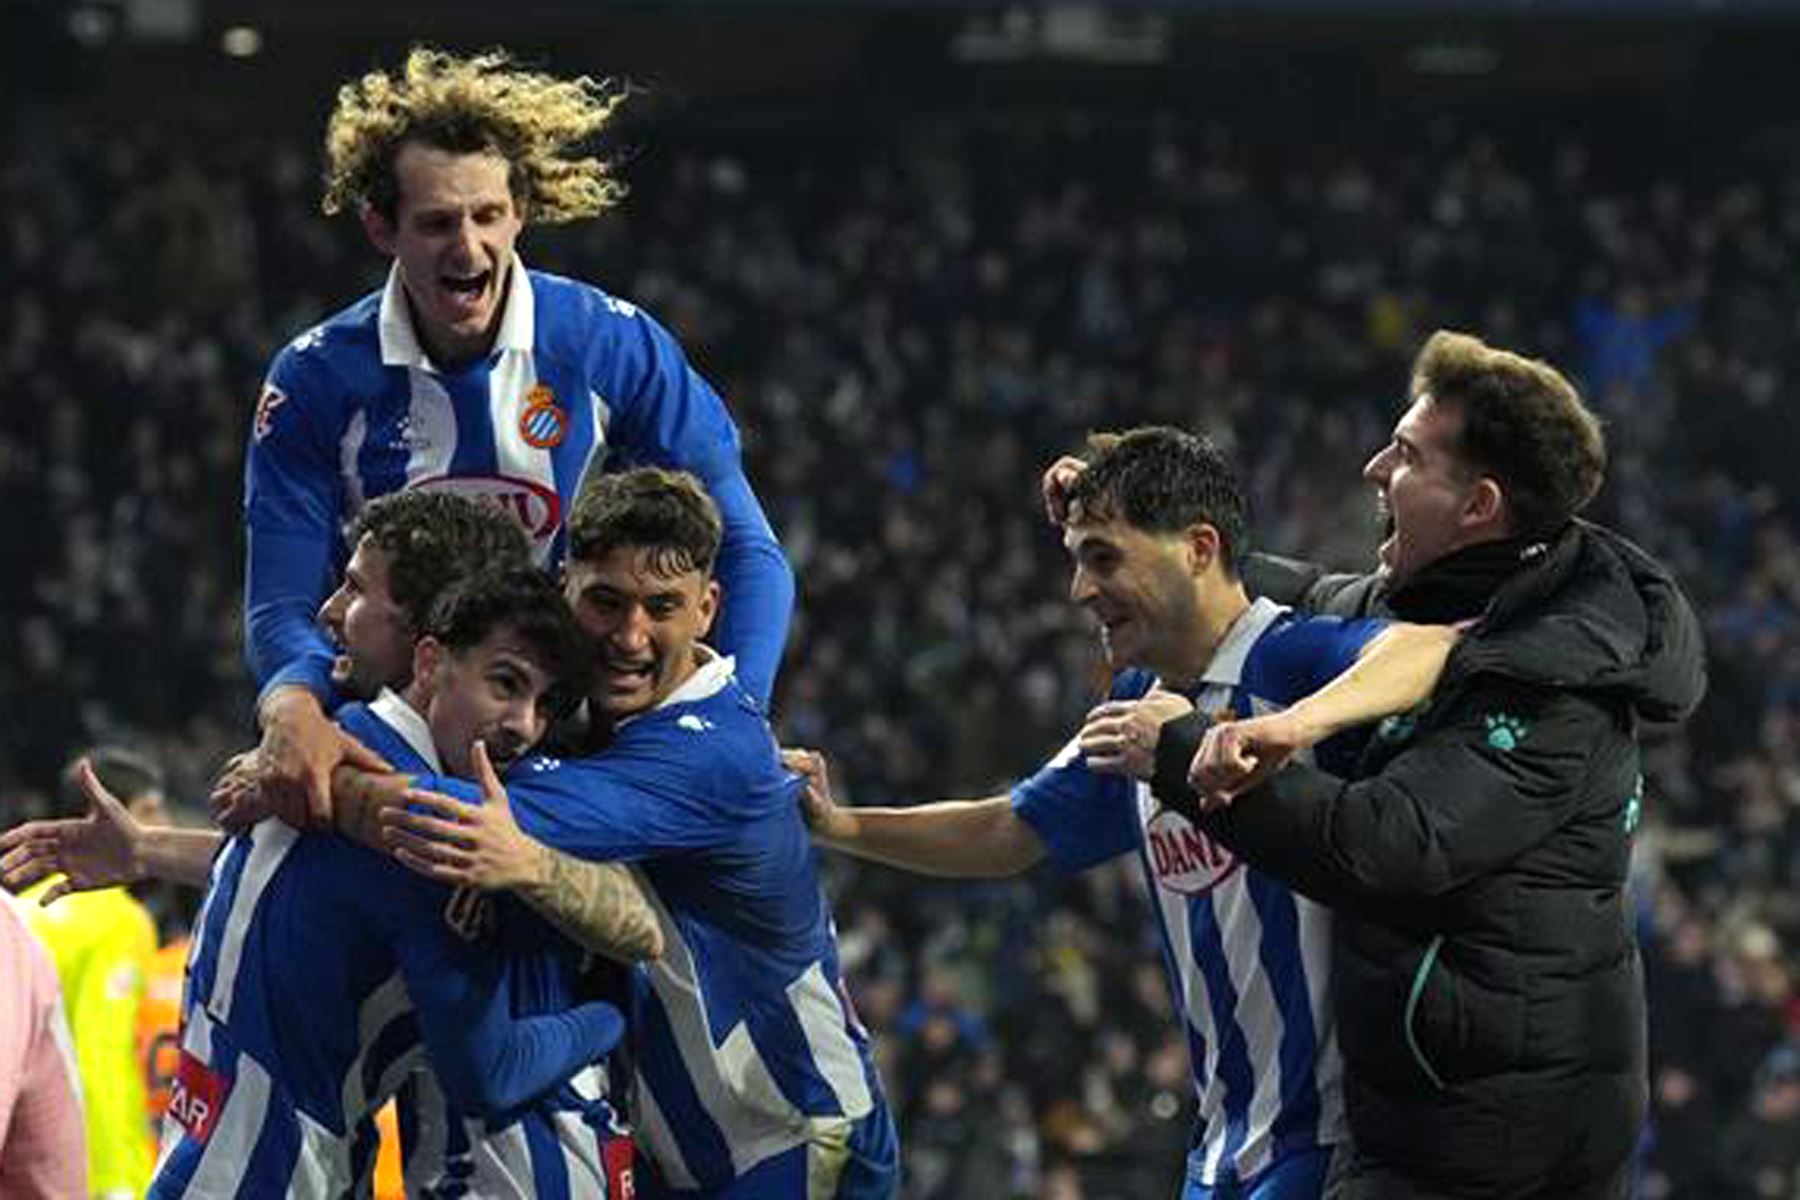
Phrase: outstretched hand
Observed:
(817, 803)
(463, 844)
(95, 851)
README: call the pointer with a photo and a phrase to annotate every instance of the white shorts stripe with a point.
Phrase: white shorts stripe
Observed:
(822, 1016)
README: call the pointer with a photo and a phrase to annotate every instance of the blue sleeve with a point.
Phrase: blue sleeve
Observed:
(1299, 656)
(668, 416)
(292, 506)
(1083, 817)
(636, 801)
(487, 1060)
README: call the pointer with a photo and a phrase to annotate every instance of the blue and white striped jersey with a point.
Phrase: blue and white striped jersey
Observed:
(320, 972)
(354, 409)
(746, 1042)
(1248, 961)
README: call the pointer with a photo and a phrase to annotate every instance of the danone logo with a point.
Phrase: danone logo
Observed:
(532, 504)
(1184, 859)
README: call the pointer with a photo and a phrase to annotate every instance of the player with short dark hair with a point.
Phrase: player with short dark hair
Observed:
(1155, 526)
(754, 1077)
(1490, 997)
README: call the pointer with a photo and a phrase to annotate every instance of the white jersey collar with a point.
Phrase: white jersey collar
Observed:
(1227, 665)
(709, 679)
(407, 721)
(400, 346)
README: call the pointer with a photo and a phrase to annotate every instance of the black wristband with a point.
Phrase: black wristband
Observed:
(1176, 744)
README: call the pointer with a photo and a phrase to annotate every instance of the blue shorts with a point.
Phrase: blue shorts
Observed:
(867, 1167)
(1299, 1176)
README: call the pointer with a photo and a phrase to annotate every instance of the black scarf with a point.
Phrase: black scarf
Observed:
(1460, 584)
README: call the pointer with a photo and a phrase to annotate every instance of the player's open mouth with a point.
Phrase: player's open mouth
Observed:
(1385, 514)
(468, 289)
(630, 675)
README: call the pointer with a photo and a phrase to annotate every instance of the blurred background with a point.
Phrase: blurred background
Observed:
(922, 249)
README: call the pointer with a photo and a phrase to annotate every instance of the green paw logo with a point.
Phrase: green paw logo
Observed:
(1505, 732)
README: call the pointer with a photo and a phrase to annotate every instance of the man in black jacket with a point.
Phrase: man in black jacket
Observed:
(1490, 998)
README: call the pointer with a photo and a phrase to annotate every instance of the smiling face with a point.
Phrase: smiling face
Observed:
(1140, 588)
(452, 236)
(1431, 502)
(494, 692)
(644, 623)
(374, 638)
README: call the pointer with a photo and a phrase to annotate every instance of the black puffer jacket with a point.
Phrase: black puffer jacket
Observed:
(1489, 995)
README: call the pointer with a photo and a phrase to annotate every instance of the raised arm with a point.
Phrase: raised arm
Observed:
(959, 839)
(670, 416)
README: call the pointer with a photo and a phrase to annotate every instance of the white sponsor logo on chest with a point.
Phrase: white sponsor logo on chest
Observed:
(1182, 858)
(533, 505)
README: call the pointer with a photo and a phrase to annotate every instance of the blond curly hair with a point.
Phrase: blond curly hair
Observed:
(483, 104)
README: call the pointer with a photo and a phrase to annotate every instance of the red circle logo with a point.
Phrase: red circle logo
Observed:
(543, 424)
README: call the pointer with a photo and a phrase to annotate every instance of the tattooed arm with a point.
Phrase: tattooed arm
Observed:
(599, 906)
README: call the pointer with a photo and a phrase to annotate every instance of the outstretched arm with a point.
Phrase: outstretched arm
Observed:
(959, 839)
(1397, 671)
(106, 848)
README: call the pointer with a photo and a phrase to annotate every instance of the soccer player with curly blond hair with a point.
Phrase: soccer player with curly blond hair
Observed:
(468, 373)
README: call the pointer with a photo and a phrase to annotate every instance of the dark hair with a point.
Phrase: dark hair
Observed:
(667, 513)
(1162, 480)
(433, 538)
(524, 602)
(1522, 422)
(125, 773)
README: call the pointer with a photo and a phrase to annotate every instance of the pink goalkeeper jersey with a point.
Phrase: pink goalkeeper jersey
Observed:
(43, 1152)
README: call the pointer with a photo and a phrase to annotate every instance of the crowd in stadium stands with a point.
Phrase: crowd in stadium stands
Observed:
(907, 330)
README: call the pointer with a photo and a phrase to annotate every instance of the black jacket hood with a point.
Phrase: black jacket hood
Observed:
(1620, 625)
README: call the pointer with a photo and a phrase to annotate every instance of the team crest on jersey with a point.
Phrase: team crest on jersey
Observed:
(544, 423)
(533, 505)
(1182, 858)
(271, 399)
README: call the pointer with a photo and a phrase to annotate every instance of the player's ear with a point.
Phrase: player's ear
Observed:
(1202, 546)
(1486, 503)
(709, 605)
(379, 229)
(427, 659)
